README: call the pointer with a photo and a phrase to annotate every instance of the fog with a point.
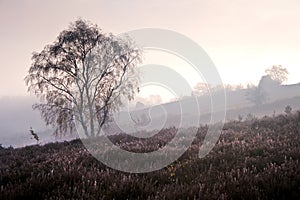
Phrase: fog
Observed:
(17, 115)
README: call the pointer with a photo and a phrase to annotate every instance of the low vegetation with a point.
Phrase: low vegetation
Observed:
(253, 159)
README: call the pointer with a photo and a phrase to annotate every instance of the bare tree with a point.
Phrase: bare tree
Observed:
(277, 73)
(85, 74)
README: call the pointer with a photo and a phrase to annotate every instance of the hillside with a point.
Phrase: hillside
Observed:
(256, 159)
(17, 115)
(169, 114)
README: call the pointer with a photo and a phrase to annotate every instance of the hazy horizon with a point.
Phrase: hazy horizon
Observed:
(242, 38)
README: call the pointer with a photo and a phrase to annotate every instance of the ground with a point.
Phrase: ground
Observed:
(256, 159)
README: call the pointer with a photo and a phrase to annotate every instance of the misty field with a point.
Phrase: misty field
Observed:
(253, 159)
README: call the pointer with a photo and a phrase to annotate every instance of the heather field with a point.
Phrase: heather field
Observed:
(253, 159)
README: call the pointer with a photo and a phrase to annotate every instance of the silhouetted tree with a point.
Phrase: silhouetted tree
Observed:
(277, 73)
(35, 135)
(275, 76)
(84, 74)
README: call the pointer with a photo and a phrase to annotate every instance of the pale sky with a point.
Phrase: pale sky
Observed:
(243, 38)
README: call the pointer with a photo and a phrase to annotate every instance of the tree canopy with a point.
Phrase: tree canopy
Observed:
(85, 74)
(277, 73)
